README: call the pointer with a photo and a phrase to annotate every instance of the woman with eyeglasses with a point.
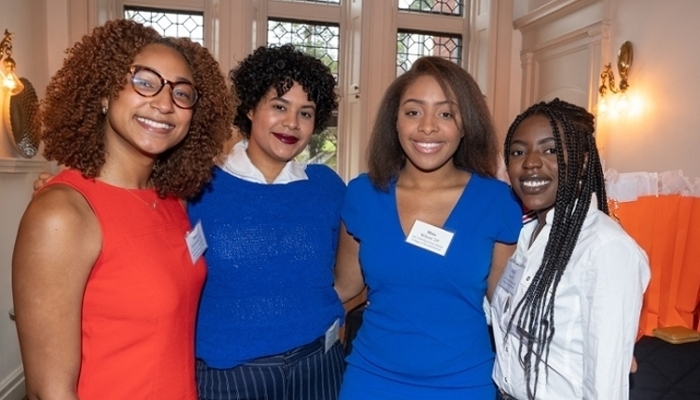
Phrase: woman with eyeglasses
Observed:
(107, 270)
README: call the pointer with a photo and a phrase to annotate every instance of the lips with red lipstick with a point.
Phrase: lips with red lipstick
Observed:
(286, 139)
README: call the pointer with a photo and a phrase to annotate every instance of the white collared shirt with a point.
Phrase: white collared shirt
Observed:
(596, 313)
(238, 164)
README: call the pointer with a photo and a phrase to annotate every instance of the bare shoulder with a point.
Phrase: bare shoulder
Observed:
(58, 203)
(59, 219)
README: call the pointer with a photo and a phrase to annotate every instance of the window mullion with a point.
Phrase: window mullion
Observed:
(431, 23)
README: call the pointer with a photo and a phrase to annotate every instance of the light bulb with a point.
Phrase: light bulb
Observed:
(11, 82)
(622, 103)
(602, 106)
(8, 82)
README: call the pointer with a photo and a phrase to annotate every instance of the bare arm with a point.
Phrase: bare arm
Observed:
(348, 274)
(501, 254)
(57, 244)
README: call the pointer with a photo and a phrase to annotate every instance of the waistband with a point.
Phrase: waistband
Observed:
(291, 356)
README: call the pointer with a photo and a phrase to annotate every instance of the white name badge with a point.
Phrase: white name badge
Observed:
(429, 237)
(511, 277)
(331, 335)
(196, 243)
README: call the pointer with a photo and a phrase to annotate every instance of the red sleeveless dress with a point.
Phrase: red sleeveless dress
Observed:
(141, 297)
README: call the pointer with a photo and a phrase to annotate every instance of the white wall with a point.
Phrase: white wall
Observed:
(664, 74)
(663, 131)
(27, 20)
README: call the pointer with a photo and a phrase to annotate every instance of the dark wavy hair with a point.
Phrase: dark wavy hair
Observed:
(580, 174)
(95, 68)
(279, 67)
(477, 150)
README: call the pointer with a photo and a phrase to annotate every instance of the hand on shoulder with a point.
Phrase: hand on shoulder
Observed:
(42, 180)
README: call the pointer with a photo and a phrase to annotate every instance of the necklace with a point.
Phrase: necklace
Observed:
(113, 179)
(151, 205)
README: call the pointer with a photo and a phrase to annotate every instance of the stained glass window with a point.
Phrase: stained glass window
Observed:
(173, 23)
(412, 45)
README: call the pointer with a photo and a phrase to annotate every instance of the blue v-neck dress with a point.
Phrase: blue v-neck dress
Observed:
(424, 333)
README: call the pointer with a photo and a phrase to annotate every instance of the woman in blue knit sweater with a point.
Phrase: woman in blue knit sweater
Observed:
(269, 316)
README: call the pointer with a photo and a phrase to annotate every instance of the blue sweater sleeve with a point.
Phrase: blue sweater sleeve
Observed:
(351, 212)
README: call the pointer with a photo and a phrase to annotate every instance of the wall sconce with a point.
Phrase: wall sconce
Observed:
(9, 79)
(19, 104)
(607, 80)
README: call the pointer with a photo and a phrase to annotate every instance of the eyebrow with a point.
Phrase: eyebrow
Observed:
(178, 79)
(285, 101)
(439, 103)
(539, 142)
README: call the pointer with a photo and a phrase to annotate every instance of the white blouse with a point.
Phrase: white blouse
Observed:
(596, 313)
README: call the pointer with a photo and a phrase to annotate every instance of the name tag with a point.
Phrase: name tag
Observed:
(196, 243)
(331, 335)
(511, 277)
(429, 237)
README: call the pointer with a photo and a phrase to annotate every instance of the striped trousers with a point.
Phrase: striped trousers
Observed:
(304, 373)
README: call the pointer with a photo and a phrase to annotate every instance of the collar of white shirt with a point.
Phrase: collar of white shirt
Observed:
(591, 209)
(238, 164)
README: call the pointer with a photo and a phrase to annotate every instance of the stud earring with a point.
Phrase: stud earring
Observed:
(104, 110)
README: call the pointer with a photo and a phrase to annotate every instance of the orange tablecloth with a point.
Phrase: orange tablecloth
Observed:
(668, 228)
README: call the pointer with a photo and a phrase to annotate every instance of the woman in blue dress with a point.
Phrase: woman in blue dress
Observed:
(423, 230)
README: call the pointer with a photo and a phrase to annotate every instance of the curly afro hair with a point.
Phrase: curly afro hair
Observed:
(95, 68)
(279, 67)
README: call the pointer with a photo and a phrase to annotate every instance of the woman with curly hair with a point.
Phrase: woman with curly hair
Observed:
(566, 309)
(268, 320)
(426, 229)
(107, 271)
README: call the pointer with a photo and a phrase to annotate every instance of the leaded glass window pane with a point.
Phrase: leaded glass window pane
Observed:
(412, 45)
(171, 23)
(442, 7)
(321, 41)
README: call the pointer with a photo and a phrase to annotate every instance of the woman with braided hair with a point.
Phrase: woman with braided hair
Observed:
(566, 309)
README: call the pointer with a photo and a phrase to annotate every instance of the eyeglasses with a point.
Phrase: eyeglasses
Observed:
(149, 83)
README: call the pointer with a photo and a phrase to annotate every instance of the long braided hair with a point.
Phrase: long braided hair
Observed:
(580, 174)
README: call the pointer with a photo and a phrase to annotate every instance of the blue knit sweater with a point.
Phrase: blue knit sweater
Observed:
(270, 261)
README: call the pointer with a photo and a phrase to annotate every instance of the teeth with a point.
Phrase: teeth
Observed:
(535, 184)
(154, 124)
(428, 145)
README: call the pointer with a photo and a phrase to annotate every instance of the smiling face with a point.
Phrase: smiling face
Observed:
(532, 164)
(281, 127)
(149, 125)
(428, 125)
